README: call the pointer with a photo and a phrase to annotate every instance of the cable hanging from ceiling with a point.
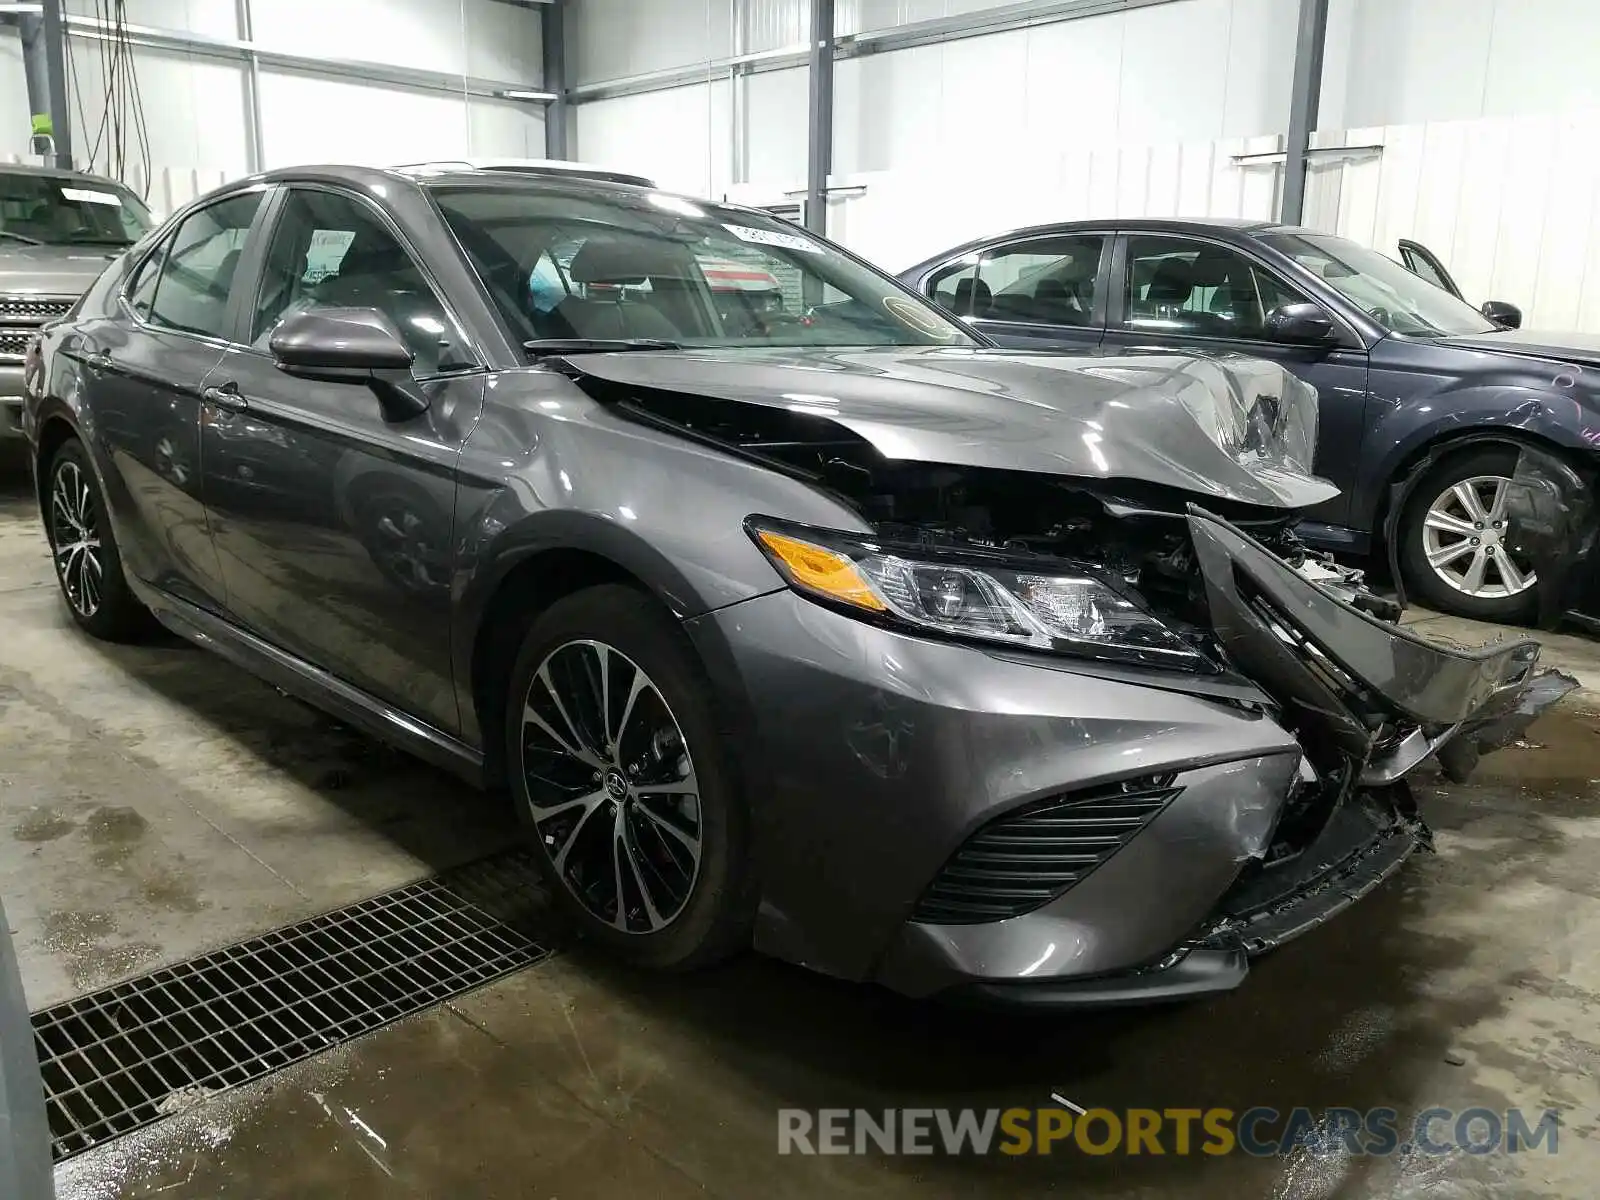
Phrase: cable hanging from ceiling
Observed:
(121, 144)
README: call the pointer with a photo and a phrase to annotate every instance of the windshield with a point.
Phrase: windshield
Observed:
(61, 210)
(1398, 300)
(656, 267)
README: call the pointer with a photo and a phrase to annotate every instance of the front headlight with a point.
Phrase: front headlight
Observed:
(1075, 611)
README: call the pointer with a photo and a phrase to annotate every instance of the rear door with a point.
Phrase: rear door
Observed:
(145, 372)
(1038, 292)
(1200, 294)
(333, 520)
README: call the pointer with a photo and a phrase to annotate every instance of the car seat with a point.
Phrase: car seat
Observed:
(619, 263)
(973, 298)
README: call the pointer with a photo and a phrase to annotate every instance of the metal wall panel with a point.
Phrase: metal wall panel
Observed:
(1502, 200)
(857, 16)
(679, 137)
(773, 24)
(485, 38)
(902, 216)
(1117, 78)
(615, 38)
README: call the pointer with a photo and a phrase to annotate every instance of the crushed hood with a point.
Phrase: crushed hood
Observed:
(51, 270)
(1231, 428)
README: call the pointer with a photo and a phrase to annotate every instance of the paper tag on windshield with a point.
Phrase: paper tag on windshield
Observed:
(772, 237)
(85, 196)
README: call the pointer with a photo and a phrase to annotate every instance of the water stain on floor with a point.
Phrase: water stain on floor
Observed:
(43, 824)
(116, 832)
(79, 937)
(172, 890)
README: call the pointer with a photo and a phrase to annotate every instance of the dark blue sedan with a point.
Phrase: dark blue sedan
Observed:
(1430, 408)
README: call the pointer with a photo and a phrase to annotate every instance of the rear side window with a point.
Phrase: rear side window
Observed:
(197, 273)
(1046, 281)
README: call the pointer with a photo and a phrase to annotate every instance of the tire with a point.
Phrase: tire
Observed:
(1502, 597)
(83, 547)
(573, 805)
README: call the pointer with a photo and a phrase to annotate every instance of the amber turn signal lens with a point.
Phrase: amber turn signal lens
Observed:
(820, 570)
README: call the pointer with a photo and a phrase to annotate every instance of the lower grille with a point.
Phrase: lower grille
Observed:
(1028, 857)
(14, 344)
(125, 1056)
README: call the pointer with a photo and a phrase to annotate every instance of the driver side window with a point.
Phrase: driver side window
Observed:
(331, 251)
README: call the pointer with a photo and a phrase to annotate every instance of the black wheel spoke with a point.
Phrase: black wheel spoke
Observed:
(612, 789)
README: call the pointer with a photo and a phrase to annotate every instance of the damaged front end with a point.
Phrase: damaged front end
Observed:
(1122, 558)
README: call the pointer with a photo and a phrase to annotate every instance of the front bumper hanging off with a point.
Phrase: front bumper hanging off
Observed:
(949, 820)
(1367, 701)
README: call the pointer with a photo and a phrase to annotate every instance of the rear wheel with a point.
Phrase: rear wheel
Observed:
(1455, 536)
(88, 567)
(624, 779)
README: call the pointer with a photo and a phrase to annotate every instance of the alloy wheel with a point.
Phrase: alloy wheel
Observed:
(611, 787)
(75, 538)
(1464, 534)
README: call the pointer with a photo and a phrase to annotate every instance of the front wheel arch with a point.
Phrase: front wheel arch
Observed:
(1420, 459)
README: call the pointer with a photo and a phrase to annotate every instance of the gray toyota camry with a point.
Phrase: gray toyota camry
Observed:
(790, 612)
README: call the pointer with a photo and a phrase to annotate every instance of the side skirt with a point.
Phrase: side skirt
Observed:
(312, 684)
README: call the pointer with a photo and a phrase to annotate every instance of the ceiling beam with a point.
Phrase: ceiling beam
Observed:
(361, 70)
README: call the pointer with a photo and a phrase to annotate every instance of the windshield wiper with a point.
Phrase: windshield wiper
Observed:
(542, 347)
(21, 237)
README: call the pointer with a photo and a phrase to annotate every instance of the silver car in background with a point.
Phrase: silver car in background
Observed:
(58, 230)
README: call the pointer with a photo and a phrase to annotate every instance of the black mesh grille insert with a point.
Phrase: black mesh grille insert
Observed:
(14, 343)
(122, 1057)
(1030, 856)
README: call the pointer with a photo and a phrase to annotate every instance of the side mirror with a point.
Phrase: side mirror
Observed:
(1303, 323)
(351, 345)
(1507, 316)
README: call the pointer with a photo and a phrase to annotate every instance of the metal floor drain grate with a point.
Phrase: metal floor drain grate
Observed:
(123, 1057)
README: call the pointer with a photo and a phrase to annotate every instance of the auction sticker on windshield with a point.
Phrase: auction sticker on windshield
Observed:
(85, 196)
(771, 237)
(918, 318)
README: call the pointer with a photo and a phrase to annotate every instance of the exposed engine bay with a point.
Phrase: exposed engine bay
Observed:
(1136, 533)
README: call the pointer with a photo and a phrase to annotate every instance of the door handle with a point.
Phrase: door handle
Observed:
(226, 396)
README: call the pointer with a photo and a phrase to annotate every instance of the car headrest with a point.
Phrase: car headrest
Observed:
(1211, 269)
(975, 292)
(1172, 282)
(623, 259)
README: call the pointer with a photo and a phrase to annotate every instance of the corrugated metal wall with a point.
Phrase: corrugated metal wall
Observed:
(901, 216)
(1510, 204)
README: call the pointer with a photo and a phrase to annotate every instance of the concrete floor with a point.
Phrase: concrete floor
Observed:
(154, 803)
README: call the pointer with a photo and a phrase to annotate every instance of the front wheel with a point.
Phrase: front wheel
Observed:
(88, 566)
(1455, 535)
(624, 778)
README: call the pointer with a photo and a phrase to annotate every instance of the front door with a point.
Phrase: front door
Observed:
(332, 520)
(1193, 294)
(1035, 293)
(1425, 264)
(146, 372)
